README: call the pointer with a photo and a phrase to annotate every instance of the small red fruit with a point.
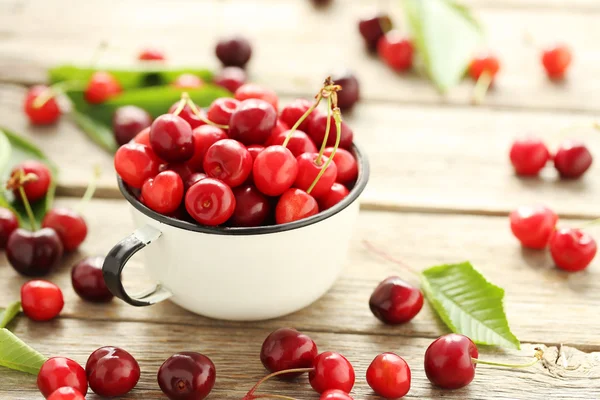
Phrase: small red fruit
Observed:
(221, 109)
(171, 138)
(395, 301)
(308, 169)
(528, 156)
(234, 51)
(556, 61)
(187, 376)
(299, 143)
(286, 348)
(101, 87)
(274, 170)
(143, 137)
(533, 225)
(188, 115)
(68, 224)
(318, 126)
(373, 28)
(66, 393)
(188, 81)
(41, 300)
(88, 281)
(58, 372)
(295, 204)
(350, 92)
(210, 202)
(135, 163)
(37, 188)
(8, 224)
(572, 159)
(293, 111)
(335, 394)
(151, 54)
(484, 63)
(572, 249)
(112, 371)
(336, 194)
(448, 361)
(45, 114)
(252, 207)
(163, 193)
(231, 78)
(254, 91)
(128, 121)
(331, 371)
(204, 137)
(229, 161)
(347, 167)
(389, 376)
(252, 122)
(396, 51)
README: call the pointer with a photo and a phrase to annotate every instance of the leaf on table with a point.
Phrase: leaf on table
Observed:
(13, 150)
(16, 354)
(446, 37)
(469, 304)
(10, 312)
(96, 131)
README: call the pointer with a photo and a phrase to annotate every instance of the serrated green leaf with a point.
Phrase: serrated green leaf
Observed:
(446, 37)
(15, 149)
(7, 314)
(16, 354)
(96, 131)
(468, 304)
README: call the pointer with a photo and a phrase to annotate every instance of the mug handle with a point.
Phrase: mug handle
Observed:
(116, 260)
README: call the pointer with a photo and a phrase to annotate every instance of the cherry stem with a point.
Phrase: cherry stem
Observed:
(17, 181)
(390, 258)
(201, 117)
(302, 118)
(481, 87)
(338, 126)
(185, 98)
(590, 223)
(319, 159)
(53, 91)
(539, 354)
(89, 192)
(250, 394)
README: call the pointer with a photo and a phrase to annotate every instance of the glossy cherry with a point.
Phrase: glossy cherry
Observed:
(396, 50)
(252, 122)
(151, 54)
(8, 224)
(336, 194)
(112, 371)
(350, 92)
(280, 126)
(556, 61)
(188, 115)
(291, 113)
(163, 193)
(88, 281)
(210, 202)
(41, 300)
(347, 167)
(231, 78)
(374, 28)
(533, 225)
(295, 204)
(183, 170)
(309, 168)
(66, 393)
(252, 208)
(484, 63)
(234, 51)
(143, 137)
(335, 394)
(286, 348)
(395, 301)
(318, 125)
(68, 224)
(572, 249)
(204, 137)
(299, 143)
(101, 87)
(34, 253)
(221, 109)
(187, 376)
(188, 81)
(448, 361)
(58, 372)
(528, 156)
(128, 121)
(44, 114)
(193, 178)
(274, 170)
(331, 371)
(572, 159)
(171, 138)
(389, 376)
(255, 150)
(229, 161)
(135, 163)
(36, 188)
(254, 91)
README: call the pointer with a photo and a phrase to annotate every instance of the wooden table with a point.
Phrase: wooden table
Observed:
(440, 189)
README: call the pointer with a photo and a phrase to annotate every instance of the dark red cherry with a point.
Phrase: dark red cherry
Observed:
(128, 121)
(389, 376)
(88, 282)
(68, 224)
(234, 51)
(221, 109)
(112, 371)
(286, 348)
(37, 187)
(347, 167)
(135, 163)
(204, 137)
(295, 204)
(163, 193)
(8, 224)
(293, 111)
(101, 87)
(183, 170)
(188, 81)
(331, 371)
(299, 143)
(572, 159)
(171, 138)
(309, 168)
(44, 114)
(58, 372)
(318, 125)
(336, 194)
(229, 161)
(193, 178)
(251, 206)
(274, 170)
(254, 91)
(34, 253)
(187, 376)
(448, 361)
(210, 202)
(252, 122)
(395, 301)
(231, 78)
(350, 92)
(373, 28)
(41, 300)
(188, 115)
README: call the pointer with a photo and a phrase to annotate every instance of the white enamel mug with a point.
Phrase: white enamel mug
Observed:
(242, 274)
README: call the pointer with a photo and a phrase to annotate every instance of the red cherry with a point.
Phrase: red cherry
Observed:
(395, 301)
(204, 137)
(135, 163)
(66, 393)
(128, 121)
(373, 28)
(221, 109)
(210, 202)
(37, 188)
(112, 371)
(572, 159)
(193, 178)
(299, 143)
(46, 114)
(389, 376)
(234, 51)
(556, 61)
(347, 167)
(8, 224)
(293, 205)
(68, 224)
(484, 63)
(188, 115)
(230, 78)
(331, 371)
(254, 91)
(58, 372)
(171, 138)
(143, 137)
(151, 54)
(336, 194)
(252, 122)
(255, 150)
(229, 161)
(396, 51)
(88, 282)
(448, 361)
(279, 127)
(41, 300)
(572, 249)
(308, 169)
(335, 394)
(533, 225)
(251, 206)
(188, 81)
(275, 170)
(287, 348)
(528, 156)
(33, 253)
(293, 111)
(187, 376)
(318, 125)
(163, 193)
(183, 170)
(350, 92)
(101, 87)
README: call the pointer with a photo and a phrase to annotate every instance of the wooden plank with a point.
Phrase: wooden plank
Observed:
(291, 55)
(574, 375)
(538, 296)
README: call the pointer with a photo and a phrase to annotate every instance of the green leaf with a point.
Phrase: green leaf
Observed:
(9, 313)
(446, 37)
(468, 304)
(98, 132)
(16, 354)
(128, 78)
(13, 150)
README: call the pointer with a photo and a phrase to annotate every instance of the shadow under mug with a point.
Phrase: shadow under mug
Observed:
(231, 273)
